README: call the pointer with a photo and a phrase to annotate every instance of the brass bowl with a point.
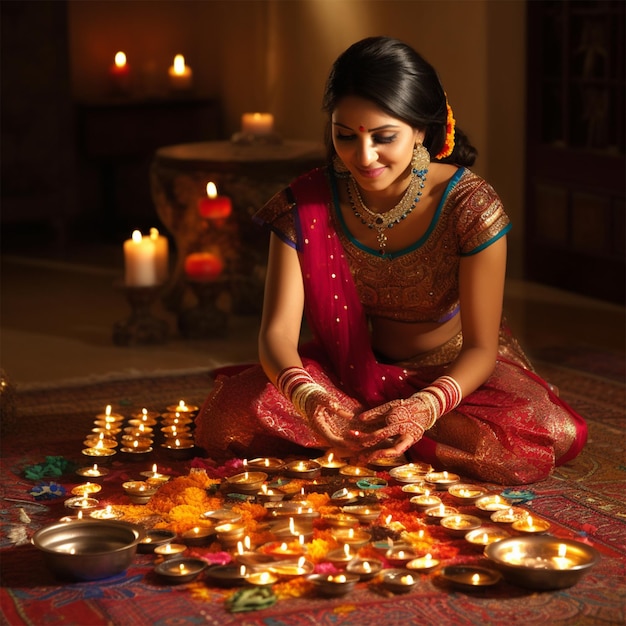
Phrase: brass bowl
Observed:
(88, 549)
(542, 561)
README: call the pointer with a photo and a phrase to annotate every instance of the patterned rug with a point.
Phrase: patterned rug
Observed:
(584, 500)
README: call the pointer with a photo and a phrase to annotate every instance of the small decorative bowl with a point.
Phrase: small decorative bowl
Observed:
(542, 561)
(180, 570)
(364, 568)
(398, 580)
(410, 472)
(88, 549)
(470, 576)
(334, 585)
(248, 482)
(153, 538)
(460, 524)
(463, 493)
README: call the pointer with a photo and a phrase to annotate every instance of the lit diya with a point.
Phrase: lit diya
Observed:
(182, 407)
(170, 550)
(82, 503)
(465, 494)
(410, 472)
(267, 494)
(542, 561)
(459, 525)
(291, 568)
(181, 569)
(93, 472)
(222, 515)
(198, 536)
(180, 449)
(261, 579)
(470, 576)
(270, 465)
(398, 580)
(153, 538)
(364, 513)
(486, 535)
(334, 585)
(399, 555)
(138, 491)
(99, 451)
(437, 513)
(425, 501)
(416, 489)
(109, 415)
(86, 489)
(384, 463)
(441, 480)
(508, 516)
(345, 496)
(331, 464)
(356, 471)
(107, 513)
(354, 537)
(531, 525)
(422, 563)
(154, 477)
(247, 482)
(341, 557)
(491, 503)
(365, 569)
(305, 469)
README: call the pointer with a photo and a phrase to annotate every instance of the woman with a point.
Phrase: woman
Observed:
(396, 254)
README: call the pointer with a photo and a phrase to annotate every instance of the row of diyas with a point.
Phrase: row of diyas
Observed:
(293, 521)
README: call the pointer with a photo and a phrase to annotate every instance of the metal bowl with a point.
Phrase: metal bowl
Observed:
(88, 549)
(542, 561)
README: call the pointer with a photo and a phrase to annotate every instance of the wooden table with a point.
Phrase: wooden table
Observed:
(250, 174)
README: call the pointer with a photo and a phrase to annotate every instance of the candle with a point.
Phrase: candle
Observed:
(180, 570)
(465, 494)
(270, 465)
(140, 261)
(107, 513)
(492, 503)
(422, 563)
(182, 407)
(81, 502)
(154, 478)
(214, 207)
(257, 123)
(170, 550)
(203, 266)
(161, 254)
(530, 525)
(330, 464)
(198, 536)
(353, 537)
(341, 557)
(261, 579)
(155, 538)
(398, 581)
(247, 481)
(93, 472)
(459, 525)
(119, 75)
(180, 75)
(365, 514)
(85, 489)
(399, 555)
(364, 568)
(508, 516)
(442, 480)
(437, 513)
(425, 501)
(303, 469)
(485, 536)
(470, 576)
(290, 568)
(138, 491)
(334, 585)
(410, 472)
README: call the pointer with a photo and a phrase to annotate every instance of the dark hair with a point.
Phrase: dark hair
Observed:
(400, 82)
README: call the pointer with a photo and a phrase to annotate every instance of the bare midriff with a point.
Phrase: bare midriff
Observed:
(399, 341)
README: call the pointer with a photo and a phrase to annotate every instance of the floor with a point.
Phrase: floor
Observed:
(58, 310)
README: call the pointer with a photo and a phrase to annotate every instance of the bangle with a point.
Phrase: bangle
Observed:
(301, 395)
(444, 394)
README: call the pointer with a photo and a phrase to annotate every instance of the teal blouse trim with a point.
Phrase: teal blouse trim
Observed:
(420, 242)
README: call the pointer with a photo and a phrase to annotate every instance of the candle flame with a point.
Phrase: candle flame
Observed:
(154, 235)
(475, 579)
(562, 550)
(120, 59)
(136, 237)
(301, 561)
(346, 549)
(367, 567)
(179, 64)
(211, 190)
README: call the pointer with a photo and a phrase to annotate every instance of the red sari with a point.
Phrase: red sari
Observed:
(511, 430)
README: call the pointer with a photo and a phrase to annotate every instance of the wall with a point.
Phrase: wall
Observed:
(274, 55)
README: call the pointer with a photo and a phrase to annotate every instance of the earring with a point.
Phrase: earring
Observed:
(421, 159)
(340, 168)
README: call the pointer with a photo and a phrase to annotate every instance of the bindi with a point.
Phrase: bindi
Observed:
(362, 128)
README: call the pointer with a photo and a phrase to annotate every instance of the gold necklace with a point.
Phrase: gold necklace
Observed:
(380, 222)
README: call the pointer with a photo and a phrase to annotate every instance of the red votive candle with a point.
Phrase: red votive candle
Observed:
(214, 207)
(204, 266)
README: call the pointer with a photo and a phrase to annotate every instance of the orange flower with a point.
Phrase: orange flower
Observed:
(448, 145)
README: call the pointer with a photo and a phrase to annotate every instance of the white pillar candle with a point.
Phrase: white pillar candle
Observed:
(180, 75)
(162, 255)
(257, 123)
(140, 261)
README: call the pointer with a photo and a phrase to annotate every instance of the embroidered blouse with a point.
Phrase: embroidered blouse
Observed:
(421, 282)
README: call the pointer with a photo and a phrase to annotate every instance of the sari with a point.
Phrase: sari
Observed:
(513, 429)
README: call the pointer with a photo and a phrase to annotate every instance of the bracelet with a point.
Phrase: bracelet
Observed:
(290, 378)
(301, 395)
(443, 395)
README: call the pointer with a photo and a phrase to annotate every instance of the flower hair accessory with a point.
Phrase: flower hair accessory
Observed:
(448, 144)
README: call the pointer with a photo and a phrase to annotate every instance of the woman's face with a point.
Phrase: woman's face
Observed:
(376, 148)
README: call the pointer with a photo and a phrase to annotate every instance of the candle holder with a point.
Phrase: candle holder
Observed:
(470, 576)
(399, 580)
(422, 564)
(141, 327)
(334, 585)
(153, 539)
(206, 319)
(180, 570)
(365, 569)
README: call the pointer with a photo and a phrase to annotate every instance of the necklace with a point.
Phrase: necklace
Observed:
(380, 222)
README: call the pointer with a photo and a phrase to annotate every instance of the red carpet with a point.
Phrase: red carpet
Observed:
(584, 500)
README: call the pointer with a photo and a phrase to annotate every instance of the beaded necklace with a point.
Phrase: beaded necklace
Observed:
(382, 221)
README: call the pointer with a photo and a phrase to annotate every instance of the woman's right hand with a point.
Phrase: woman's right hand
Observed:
(329, 418)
